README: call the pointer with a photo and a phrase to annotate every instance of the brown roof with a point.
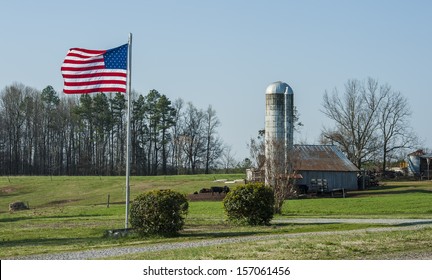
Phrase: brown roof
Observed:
(322, 158)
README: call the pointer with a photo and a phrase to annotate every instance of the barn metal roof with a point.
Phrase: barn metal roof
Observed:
(420, 153)
(427, 155)
(322, 158)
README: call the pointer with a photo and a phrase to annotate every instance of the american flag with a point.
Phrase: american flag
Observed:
(90, 71)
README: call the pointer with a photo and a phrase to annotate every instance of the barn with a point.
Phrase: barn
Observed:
(324, 168)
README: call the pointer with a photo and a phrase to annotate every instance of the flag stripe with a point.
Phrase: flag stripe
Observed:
(93, 82)
(97, 86)
(86, 91)
(82, 61)
(87, 51)
(101, 78)
(86, 71)
(99, 72)
(82, 65)
(96, 67)
(89, 77)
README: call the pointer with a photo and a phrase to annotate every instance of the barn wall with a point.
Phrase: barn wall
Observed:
(335, 180)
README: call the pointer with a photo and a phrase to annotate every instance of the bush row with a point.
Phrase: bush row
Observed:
(162, 212)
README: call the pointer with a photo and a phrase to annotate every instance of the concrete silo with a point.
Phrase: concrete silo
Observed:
(279, 126)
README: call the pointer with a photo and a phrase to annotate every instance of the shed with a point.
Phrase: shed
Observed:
(419, 164)
(324, 168)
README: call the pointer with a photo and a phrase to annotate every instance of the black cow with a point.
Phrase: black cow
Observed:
(303, 189)
(219, 190)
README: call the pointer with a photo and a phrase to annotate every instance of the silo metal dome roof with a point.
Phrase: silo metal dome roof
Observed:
(279, 87)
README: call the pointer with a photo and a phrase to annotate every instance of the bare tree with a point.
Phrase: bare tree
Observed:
(194, 142)
(213, 141)
(372, 121)
(276, 169)
(13, 120)
(355, 115)
(257, 150)
(279, 171)
(176, 133)
(393, 120)
(227, 158)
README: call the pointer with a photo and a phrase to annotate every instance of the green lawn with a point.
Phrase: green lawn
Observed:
(414, 205)
(70, 213)
(412, 199)
(46, 191)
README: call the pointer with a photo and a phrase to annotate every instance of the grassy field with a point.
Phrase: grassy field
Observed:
(398, 200)
(45, 191)
(70, 214)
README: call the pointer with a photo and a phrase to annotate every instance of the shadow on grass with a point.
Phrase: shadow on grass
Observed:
(273, 228)
(414, 223)
(24, 218)
(205, 235)
(48, 242)
(59, 202)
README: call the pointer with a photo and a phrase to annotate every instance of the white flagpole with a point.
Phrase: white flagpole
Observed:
(128, 137)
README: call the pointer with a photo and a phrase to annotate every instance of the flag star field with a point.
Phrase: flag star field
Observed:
(91, 71)
(116, 58)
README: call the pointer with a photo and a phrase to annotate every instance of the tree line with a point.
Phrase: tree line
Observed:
(42, 133)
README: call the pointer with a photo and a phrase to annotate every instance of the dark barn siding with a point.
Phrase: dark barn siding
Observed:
(335, 180)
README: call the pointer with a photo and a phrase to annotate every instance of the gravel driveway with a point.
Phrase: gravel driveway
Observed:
(408, 224)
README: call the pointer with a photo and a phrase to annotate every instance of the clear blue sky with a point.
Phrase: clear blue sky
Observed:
(225, 53)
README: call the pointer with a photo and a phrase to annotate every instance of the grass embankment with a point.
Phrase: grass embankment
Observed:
(70, 214)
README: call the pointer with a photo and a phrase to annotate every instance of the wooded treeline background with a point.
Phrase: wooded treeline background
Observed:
(44, 134)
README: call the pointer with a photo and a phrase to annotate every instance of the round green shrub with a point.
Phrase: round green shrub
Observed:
(159, 212)
(250, 204)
